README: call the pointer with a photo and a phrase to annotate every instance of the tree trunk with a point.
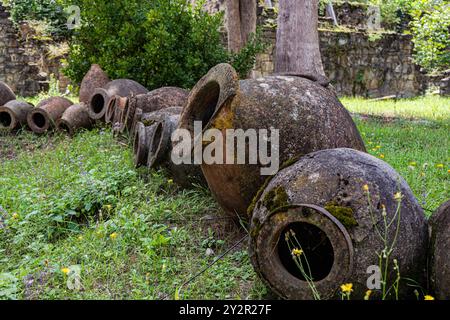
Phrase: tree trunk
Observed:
(241, 16)
(298, 51)
(234, 25)
(248, 19)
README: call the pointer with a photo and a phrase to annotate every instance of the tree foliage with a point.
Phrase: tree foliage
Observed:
(157, 43)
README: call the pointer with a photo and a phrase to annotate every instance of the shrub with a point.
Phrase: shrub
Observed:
(157, 43)
(431, 34)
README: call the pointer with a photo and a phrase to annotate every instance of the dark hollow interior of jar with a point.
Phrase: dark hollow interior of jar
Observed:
(39, 120)
(315, 254)
(5, 119)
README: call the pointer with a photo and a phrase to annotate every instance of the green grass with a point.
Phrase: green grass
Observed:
(63, 202)
(429, 108)
(419, 152)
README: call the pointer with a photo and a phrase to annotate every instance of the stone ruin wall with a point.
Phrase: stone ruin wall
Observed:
(25, 64)
(356, 63)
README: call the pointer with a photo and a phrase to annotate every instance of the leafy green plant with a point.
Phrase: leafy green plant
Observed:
(8, 286)
(157, 43)
(431, 34)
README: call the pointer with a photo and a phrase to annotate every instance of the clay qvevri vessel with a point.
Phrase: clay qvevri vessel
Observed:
(155, 100)
(13, 115)
(76, 117)
(323, 199)
(94, 78)
(439, 252)
(103, 97)
(308, 116)
(47, 113)
(6, 94)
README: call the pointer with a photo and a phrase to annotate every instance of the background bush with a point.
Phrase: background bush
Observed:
(431, 30)
(157, 43)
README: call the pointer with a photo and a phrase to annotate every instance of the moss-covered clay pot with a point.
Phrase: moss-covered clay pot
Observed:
(6, 94)
(76, 117)
(323, 199)
(440, 252)
(94, 78)
(155, 100)
(13, 115)
(308, 116)
(103, 97)
(47, 113)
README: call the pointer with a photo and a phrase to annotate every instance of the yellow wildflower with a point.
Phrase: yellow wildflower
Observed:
(413, 164)
(382, 156)
(378, 147)
(347, 288)
(440, 166)
(428, 297)
(297, 252)
(366, 187)
(15, 216)
(80, 238)
(368, 294)
(113, 236)
(448, 171)
(170, 181)
(398, 196)
(66, 271)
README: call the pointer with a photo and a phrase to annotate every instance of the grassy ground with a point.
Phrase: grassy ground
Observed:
(67, 203)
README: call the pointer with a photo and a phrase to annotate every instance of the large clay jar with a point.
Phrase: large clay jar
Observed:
(13, 115)
(308, 116)
(155, 100)
(76, 117)
(103, 97)
(439, 252)
(6, 94)
(335, 202)
(47, 113)
(94, 78)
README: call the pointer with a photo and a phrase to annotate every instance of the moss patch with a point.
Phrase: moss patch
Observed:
(344, 214)
(255, 200)
(276, 198)
(291, 161)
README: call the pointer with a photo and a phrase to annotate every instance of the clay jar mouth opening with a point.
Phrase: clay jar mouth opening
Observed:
(205, 106)
(138, 140)
(156, 145)
(6, 119)
(215, 90)
(317, 253)
(326, 248)
(99, 104)
(141, 143)
(39, 121)
(110, 110)
(65, 127)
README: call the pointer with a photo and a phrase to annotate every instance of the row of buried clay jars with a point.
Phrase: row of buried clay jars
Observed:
(327, 206)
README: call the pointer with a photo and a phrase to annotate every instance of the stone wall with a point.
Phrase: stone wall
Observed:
(25, 64)
(357, 63)
(359, 66)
